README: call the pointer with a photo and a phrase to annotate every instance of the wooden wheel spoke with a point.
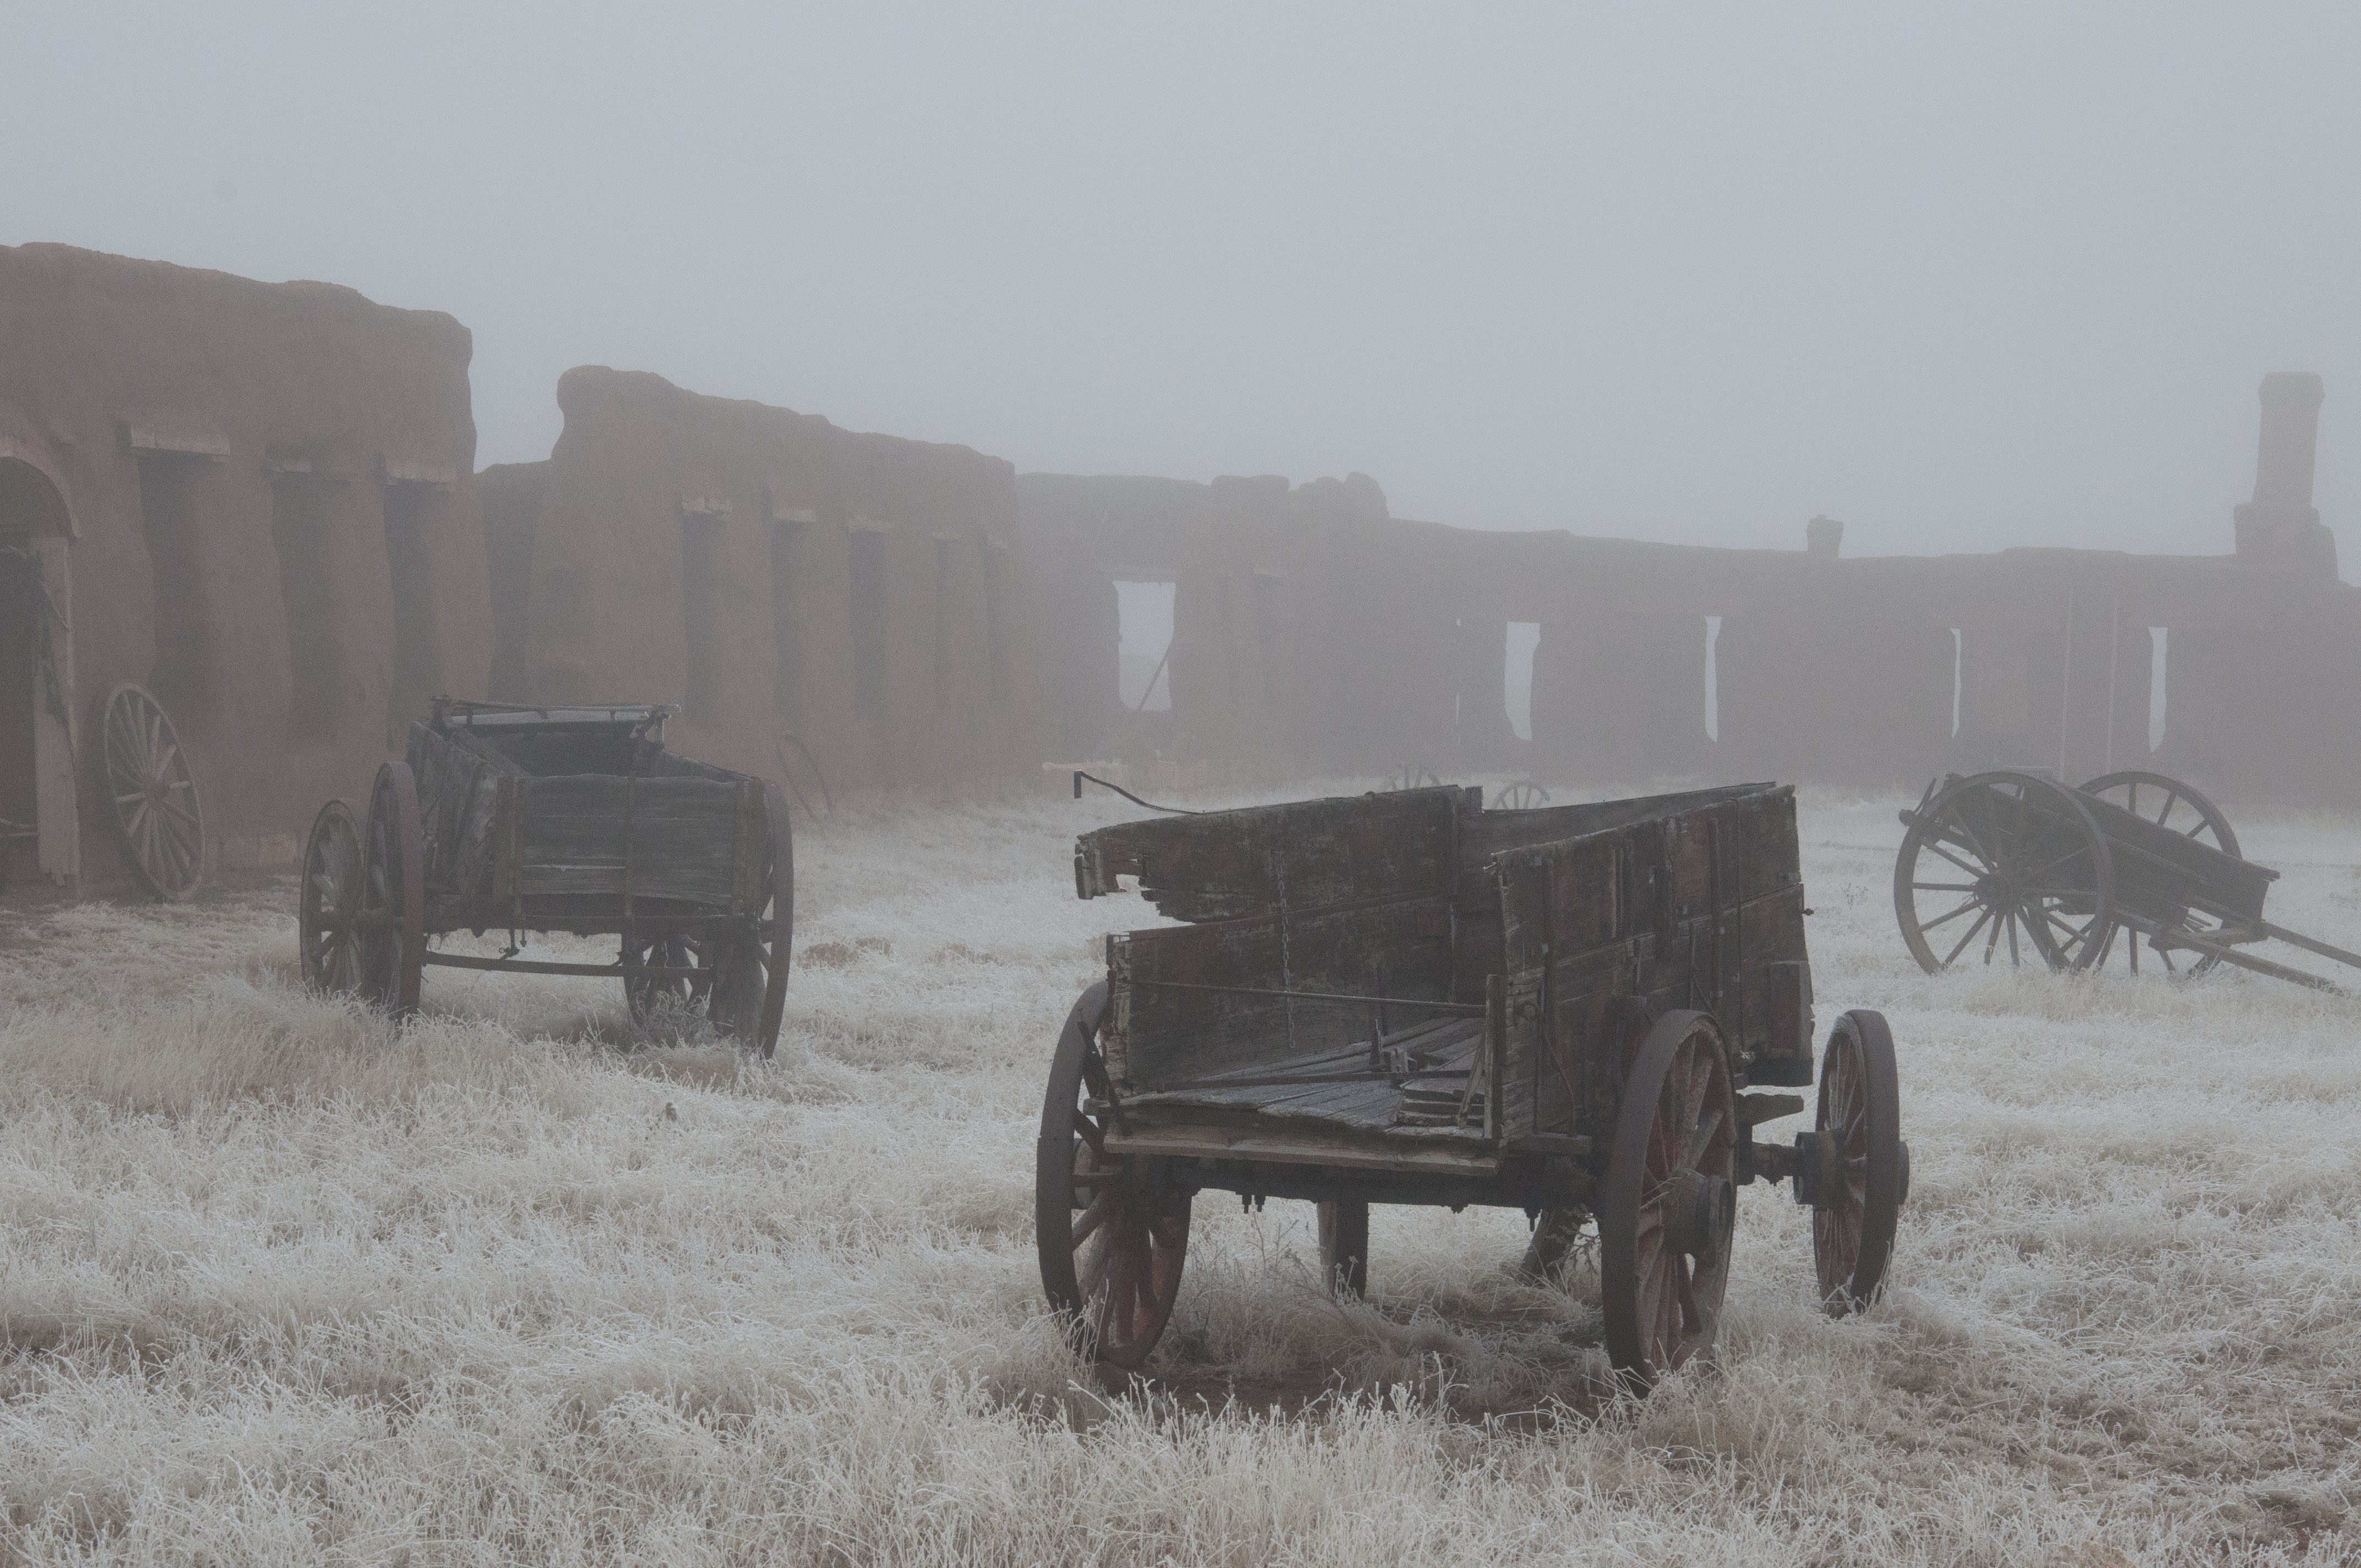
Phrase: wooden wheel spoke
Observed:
(1981, 920)
(1096, 1213)
(1954, 914)
(1091, 1133)
(1938, 846)
(1701, 1139)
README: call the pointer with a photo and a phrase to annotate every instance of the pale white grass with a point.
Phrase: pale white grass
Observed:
(281, 1283)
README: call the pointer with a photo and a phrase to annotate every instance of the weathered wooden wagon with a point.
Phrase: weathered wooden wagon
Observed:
(2079, 877)
(568, 819)
(1405, 998)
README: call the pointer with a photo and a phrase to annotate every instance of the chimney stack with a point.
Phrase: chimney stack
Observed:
(1824, 536)
(2280, 526)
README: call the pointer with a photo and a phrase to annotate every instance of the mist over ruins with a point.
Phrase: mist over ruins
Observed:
(1333, 786)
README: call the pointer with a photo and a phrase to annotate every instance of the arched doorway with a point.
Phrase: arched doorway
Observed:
(38, 822)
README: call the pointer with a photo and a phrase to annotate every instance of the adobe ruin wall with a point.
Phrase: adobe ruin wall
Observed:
(253, 499)
(770, 575)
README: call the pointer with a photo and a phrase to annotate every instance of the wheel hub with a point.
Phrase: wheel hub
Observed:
(1699, 1210)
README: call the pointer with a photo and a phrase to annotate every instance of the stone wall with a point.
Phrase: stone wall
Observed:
(253, 499)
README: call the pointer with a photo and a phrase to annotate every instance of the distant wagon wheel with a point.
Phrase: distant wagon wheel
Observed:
(156, 806)
(1666, 1207)
(1345, 1247)
(2168, 803)
(393, 894)
(1522, 796)
(1111, 1233)
(2004, 856)
(1854, 1169)
(328, 908)
(740, 982)
(1410, 775)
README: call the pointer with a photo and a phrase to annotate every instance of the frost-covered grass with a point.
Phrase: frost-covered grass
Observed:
(277, 1284)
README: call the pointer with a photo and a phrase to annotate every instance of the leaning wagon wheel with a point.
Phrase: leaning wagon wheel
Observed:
(1522, 796)
(1111, 1233)
(1856, 1168)
(156, 806)
(393, 893)
(1345, 1247)
(2168, 803)
(328, 908)
(1412, 775)
(1667, 1204)
(2022, 856)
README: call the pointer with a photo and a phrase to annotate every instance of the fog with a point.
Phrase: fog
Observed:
(1965, 277)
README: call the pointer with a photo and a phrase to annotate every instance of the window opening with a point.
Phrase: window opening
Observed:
(1144, 645)
(700, 611)
(2157, 636)
(1517, 686)
(19, 682)
(868, 607)
(1712, 678)
(306, 535)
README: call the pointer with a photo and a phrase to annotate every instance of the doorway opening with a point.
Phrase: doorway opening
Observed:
(1517, 685)
(868, 608)
(1144, 645)
(185, 678)
(306, 535)
(417, 663)
(38, 814)
(700, 607)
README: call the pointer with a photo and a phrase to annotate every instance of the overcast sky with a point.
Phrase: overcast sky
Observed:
(1965, 276)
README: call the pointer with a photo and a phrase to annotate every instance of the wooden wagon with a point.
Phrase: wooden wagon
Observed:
(1405, 998)
(2014, 861)
(566, 820)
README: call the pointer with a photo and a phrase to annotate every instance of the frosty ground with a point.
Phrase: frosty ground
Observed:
(281, 1283)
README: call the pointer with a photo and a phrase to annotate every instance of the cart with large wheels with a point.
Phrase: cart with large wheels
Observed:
(557, 819)
(1404, 998)
(2014, 862)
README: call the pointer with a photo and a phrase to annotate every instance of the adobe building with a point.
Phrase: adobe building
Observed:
(252, 499)
(773, 576)
(1311, 631)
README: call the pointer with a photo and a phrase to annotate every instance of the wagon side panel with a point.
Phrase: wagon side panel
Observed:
(1164, 1032)
(675, 838)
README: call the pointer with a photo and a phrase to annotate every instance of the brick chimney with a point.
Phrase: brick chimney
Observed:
(2280, 526)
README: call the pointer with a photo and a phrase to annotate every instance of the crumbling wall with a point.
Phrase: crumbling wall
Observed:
(261, 504)
(1861, 670)
(769, 574)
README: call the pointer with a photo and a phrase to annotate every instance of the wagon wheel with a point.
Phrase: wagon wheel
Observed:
(742, 980)
(647, 995)
(393, 893)
(1854, 1169)
(2014, 850)
(1412, 775)
(1666, 1206)
(1345, 1247)
(1522, 796)
(1112, 1232)
(156, 806)
(2168, 803)
(328, 907)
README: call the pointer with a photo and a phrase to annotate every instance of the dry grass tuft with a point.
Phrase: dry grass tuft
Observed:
(281, 1283)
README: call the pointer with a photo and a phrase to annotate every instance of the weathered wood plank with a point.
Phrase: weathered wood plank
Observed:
(1305, 855)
